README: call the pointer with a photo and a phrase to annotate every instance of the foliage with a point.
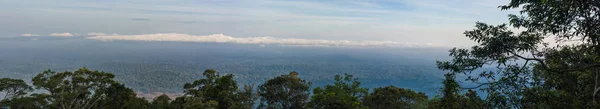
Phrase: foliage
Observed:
(137, 103)
(284, 92)
(119, 96)
(450, 93)
(345, 93)
(222, 89)
(161, 102)
(452, 99)
(89, 89)
(34, 101)
(394, 98)
(82, 89)
(530, 74)
(246, 97)
(13, 88)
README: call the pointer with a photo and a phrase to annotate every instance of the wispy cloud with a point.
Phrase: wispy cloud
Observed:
(29, 35)
(140, 19)
(436, 21)
(364, 4)
(220, 38)
(61, 34)
(96, 34)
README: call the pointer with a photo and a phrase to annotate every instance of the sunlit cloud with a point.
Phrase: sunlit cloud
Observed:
(419, 21)
(96, 34)
(61, 34)
(221, 38)
(29, 35)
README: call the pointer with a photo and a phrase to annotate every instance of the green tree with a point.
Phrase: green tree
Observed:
(452, 99)
(137, 103)
(531, 74)
(563, 90)
(246, 98)
(119, 97)
(222, 89)
(178, 103)
(394, 98)
(161, 102)
(12, 88)
(434, 103)
(472, 101)
(345, 93)
(82, 89)
(450, 93)
(187, 102)
(284, 92)
(34, 101)
(199, 103)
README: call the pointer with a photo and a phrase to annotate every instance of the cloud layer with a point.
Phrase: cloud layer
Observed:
(61, 34)
(29, 35)
(220, 38)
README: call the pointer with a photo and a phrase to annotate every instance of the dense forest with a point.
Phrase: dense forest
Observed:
(529, 73)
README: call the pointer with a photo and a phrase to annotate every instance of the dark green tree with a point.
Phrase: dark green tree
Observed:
(82, 89)
(284, 92)
(345, 93)
(530, 73)
(34, 101)
(392, 97)
(199, 103)
(177, 103)
(186, 102)
(161, 102)
(13, 88)
(472, 101)
(118, 97)
(213, 87)
(451, 98)
(137, 103)
(246, 98)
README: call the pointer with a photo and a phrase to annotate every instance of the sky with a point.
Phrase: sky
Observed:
(317, 22)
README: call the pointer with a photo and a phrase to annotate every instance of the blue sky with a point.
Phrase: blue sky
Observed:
(439, 22)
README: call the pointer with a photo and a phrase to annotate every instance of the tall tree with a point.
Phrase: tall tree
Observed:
(451, 98)
(82, 89)
(392, 97)
(246, 98)
(161, 102)
(13, 88)
(213, 87)
(118, 96)
(345, 93)
(284, 92)
(34, 101)
(137, 103)
(527, 68)
(472, 101)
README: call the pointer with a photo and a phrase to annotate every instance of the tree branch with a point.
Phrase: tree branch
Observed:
(541, 61)
(480, 84)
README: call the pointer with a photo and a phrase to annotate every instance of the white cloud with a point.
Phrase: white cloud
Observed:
(95, 34)
(29, 35)
(61, 34)
(220, 38)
